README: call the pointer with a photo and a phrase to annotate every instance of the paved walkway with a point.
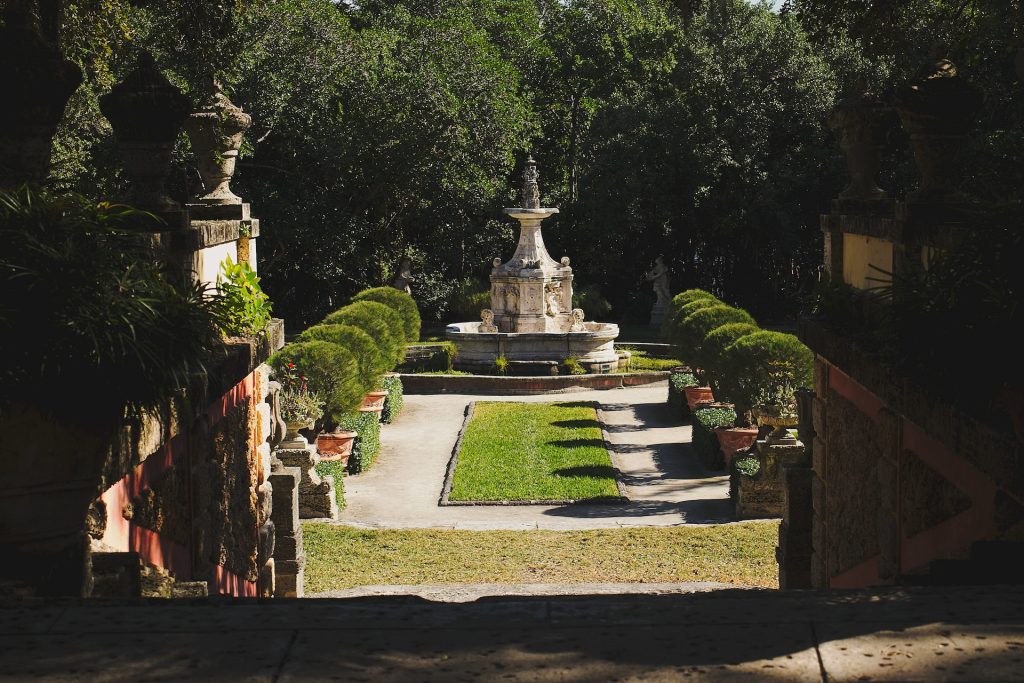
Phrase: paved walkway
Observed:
(665, 483)
(948, 634)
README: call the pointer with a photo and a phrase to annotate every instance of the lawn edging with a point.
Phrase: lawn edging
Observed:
(499, 385)
(453, 461)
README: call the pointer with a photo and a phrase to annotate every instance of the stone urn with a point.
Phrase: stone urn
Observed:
(146, 113)
(856, 122)
(937, 110)
(782, 419)
(373, 402)
(336, 445)
(293, 440)
(695, 395)
(732, 440)
(216, 132)
(38, 82)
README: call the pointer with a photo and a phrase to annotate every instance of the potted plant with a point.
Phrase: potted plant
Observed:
(731, 438)
(300, 407)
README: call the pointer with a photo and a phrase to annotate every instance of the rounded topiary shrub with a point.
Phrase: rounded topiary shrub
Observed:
(712, 350)
(382, 323)
(678, 301)
(372, 364)
(766, 368)
(330, 370)
(691, 331)
(399, 301)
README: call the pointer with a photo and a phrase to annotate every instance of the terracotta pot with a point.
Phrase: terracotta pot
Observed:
(695, 395)
(373, 402)
(732, 440)
(336, 446)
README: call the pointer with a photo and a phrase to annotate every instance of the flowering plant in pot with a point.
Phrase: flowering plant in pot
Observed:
(300, 407)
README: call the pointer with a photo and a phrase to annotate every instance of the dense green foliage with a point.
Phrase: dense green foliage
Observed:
(677, 384)
(395, 399)
(766, 368)
(330, 370)
(367, 445)
(372, 363)
(712, 349)
(334, 469)
(94, 323)
(400, 302)
(690, 333)
(533, 452)
(380, 322)
(690, 129)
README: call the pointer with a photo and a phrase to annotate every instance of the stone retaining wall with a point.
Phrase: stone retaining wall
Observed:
(488, 385)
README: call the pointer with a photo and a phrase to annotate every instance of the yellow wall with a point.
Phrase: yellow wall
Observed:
(860, 253)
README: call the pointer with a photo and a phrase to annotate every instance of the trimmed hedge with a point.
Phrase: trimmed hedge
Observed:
(367, 444)
(765, 368)
(399, 301)
(395, 399)
(685, 312)
(382, 323)
(692, 330)
(330, 370)
(705, 441)
(334, 468)
(714, 346)
(678, 301)
(372, 363)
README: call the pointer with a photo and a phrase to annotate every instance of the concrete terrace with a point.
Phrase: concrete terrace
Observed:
(664, 482)
(962, 634)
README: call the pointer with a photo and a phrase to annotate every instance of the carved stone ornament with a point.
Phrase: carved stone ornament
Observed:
(937, 110)
(496, 263)
(487, 325)
(38, 82)
(146, 113)
(856, 124)
(531, 188)
(216, 132)
(577, 321)
(565, 261)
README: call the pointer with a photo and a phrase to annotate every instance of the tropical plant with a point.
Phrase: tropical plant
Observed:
(86, 303)
(246, 308)
(401, 302)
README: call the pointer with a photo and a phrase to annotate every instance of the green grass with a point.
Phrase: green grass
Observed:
(533, 451)
(342, 557)
(641, 362)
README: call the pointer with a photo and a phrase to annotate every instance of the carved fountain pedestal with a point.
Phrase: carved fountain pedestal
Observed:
(531, 322)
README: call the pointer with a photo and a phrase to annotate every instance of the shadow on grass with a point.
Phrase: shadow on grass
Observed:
(595, 471)
(576, 404)
(576, 424)
(577, 443)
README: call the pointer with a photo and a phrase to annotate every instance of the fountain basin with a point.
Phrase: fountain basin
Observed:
(536, 352)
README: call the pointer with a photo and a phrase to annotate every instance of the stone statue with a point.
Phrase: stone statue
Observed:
(496, 263)
(404, 276)
(658, 275)
(577, 321)
(487, 326)
(551, 299)
(531, 188)
(565, 262)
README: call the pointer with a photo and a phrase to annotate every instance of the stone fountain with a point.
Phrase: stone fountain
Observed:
(531, 322)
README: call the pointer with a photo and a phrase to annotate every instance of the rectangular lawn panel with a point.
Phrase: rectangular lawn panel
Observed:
(529, 452)
(340, 557)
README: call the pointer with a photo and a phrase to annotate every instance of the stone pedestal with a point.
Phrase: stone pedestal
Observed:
(216, 232)
(289, 557)
(795, 550)
(763, 495)
(658, 314)
(316, 494)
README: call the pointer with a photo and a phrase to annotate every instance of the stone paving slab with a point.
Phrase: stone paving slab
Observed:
(971, 634)
(666, 484)
(475, 591)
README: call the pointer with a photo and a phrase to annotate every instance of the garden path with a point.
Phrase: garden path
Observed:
(664, 482)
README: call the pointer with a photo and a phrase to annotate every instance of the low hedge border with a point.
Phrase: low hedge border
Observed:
(335, 470)
(705, 441)
(367, 444)
(395, 399)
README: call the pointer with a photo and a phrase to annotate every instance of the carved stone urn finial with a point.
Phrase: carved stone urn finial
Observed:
(146, 113)
(855, 121)
(38, 82)
(937, 109)
(216, 132)
(531, 188)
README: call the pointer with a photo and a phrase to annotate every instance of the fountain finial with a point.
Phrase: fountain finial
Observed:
(531, 190)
